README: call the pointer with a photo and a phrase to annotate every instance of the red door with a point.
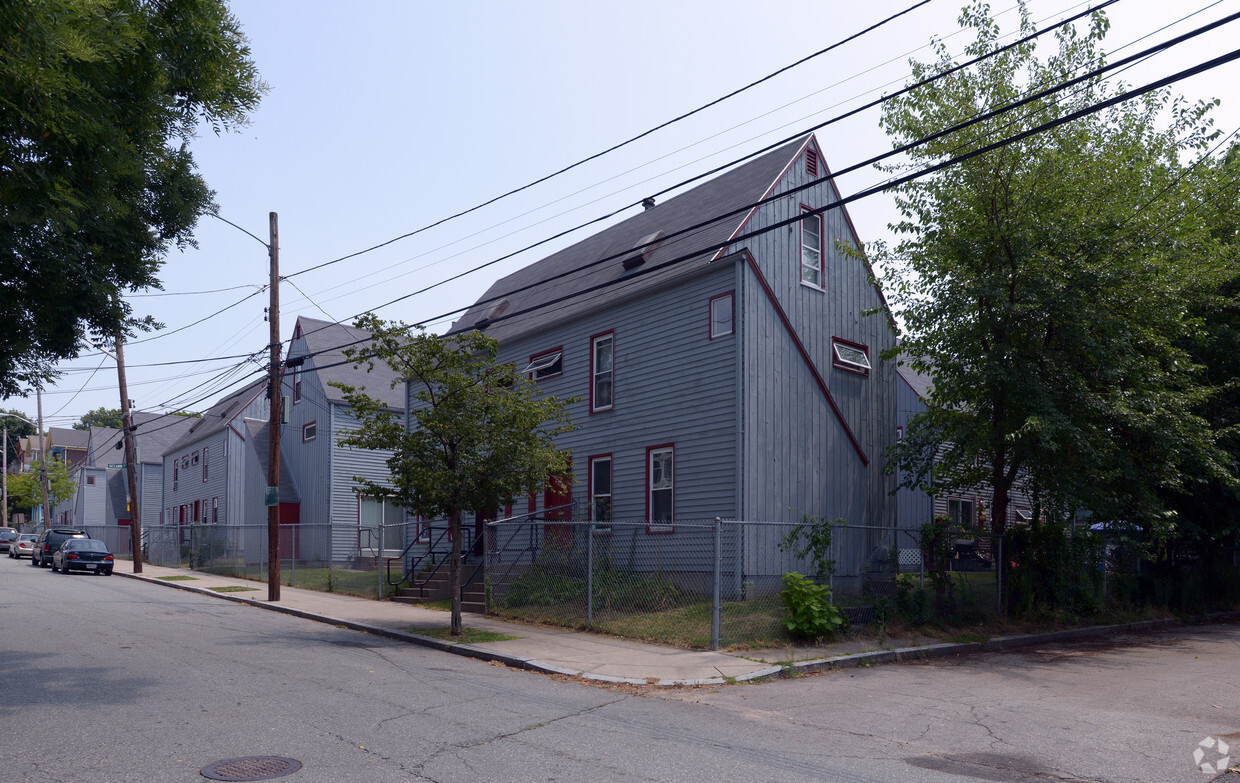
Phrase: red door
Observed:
(290, 535)
(557, 504)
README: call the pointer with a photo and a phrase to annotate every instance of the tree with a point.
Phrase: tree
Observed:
(1045, 285)
(26, 489)
(100, 417)
(478, 433)
(98, 99)
(18, 428)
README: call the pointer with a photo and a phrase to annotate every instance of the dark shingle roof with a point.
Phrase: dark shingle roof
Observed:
(328, 342)
(216, 417)
(568, 271)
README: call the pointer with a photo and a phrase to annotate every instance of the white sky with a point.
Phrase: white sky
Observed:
(388, 116)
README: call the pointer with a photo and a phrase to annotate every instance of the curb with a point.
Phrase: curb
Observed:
(793, 669)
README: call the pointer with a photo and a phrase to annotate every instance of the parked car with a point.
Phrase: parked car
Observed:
(7, 536)
(22, 546)
(84, 554)
(49, 541)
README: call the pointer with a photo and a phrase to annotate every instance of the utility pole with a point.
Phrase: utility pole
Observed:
(273, 461)
(127, 428)
(6, 477)
(47, 504)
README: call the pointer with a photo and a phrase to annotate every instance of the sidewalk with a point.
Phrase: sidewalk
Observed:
(575, 653)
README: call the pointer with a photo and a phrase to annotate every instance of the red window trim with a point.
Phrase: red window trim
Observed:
(314, 424)
(662, 527)
(540, 354)
(593, 338)
(204, 464)
(710, 315)
(822, 254)
(836, 363)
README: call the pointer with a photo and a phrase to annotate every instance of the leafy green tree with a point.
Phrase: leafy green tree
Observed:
(26, 489)
(478, 434)
(18, 429)
(1045, 285)
(98, 99)
(100, 417)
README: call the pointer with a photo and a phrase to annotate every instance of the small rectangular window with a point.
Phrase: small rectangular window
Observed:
(193, 460)
(309, 432)
(811, 249)
(204, 463)
(850, 356)
(661, 492)
(544, 365)
(721, 313)
(602, 372)
(600, 489)
(961, 513)
(90, 481)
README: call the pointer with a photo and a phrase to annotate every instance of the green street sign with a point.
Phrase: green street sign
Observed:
(113, 465)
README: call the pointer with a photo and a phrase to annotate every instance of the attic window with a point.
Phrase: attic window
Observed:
(811, 162)
(850, 356)
(545, 365)
(643, 250)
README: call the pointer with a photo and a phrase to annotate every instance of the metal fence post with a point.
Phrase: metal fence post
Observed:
(590, 575)
(718, 579)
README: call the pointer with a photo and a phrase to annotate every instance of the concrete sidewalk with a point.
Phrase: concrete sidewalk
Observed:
(587, 655)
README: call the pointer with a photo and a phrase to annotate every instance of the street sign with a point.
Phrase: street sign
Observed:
(114, 465)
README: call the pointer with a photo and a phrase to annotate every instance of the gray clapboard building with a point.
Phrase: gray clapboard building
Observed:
(317, 415)
(725, 348)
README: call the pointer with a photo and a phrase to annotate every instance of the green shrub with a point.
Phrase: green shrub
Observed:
(809, 612)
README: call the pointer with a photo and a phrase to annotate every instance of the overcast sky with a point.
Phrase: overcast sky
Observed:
(384, 117)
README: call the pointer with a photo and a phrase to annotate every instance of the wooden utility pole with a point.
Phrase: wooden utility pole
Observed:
(6, 477)
(131, 468)
(273, 461)
(43, 444)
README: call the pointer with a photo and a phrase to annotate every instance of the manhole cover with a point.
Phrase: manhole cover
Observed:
(251, 768)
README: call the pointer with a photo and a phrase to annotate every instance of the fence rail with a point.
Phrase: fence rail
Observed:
(711, 583)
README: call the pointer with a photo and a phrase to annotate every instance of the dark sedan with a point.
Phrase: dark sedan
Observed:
(83, 554)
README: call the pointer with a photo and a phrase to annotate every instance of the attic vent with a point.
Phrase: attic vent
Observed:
(648, 202)
(643, 250)
(811, 162)
(493, 312)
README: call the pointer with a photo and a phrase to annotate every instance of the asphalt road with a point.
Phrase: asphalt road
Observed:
(109, 679)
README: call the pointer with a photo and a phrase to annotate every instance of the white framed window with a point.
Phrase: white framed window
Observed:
(660, 488)
(176, 471)
(600, 488)
(215, 510)
(545, 365)
(850, 356)
(204, 464)
(90, 481)
(193, 460)
(309, 431)
(296, 385)
(961, 513)
(722, 312)
(811, 249)
(602, 372)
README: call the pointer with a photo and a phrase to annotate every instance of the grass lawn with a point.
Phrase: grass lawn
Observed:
(468, 635)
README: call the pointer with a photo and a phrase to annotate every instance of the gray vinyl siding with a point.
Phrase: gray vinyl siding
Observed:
(150, 487)
(346, 463)
(914, 508)
(189, 484)
(309, 462)
(665, 365)
(799, 458)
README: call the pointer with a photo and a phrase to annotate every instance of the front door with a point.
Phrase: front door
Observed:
(557, 504)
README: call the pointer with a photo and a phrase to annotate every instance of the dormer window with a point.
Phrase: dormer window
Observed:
(545, 365)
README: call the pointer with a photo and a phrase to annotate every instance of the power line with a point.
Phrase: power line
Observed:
(613, 148)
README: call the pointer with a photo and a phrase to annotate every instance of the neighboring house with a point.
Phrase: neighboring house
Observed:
(726, 372)
(69, 446)
(216, 473)
(101, 501)
(316, 414)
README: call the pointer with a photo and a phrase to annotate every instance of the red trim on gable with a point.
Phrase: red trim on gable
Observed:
(822, 386)
(767, 194)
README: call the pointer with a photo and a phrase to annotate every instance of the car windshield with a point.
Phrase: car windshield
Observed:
(27, 537)
(86, 544)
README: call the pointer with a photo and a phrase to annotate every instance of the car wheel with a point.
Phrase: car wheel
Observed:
(108, 572)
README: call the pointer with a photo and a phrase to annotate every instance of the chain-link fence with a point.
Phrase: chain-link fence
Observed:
(711, 583)
(346, 558)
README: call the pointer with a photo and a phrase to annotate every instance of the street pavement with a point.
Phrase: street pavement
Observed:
(587, 656)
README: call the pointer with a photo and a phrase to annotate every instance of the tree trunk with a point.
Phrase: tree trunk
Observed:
(454, 569)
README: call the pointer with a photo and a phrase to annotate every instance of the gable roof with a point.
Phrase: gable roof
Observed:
(217, 417)
(573, 271)
(327, 341)
(156, 434)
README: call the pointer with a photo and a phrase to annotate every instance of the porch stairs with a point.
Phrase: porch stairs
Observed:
(435, 588)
